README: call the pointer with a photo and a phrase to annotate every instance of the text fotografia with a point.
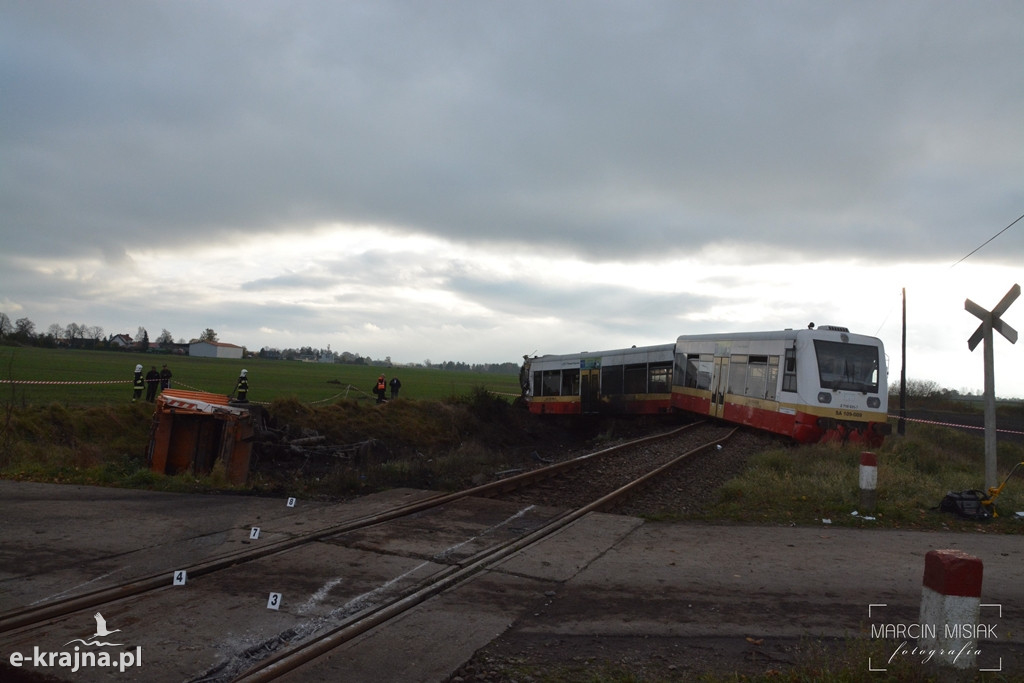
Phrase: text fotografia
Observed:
(926, 654)
(76, 660)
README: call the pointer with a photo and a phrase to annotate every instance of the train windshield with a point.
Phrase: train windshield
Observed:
(853, 367)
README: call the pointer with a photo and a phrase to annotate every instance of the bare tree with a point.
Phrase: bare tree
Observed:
(922, 388)
(24, 329)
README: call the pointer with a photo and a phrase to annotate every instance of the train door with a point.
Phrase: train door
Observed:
(719, 384)
(590, 390)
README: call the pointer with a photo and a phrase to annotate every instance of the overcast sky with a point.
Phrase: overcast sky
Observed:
(474, 181)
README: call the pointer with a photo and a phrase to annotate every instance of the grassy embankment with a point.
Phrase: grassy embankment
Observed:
(95, 434)
(451, 432)
(809, 484)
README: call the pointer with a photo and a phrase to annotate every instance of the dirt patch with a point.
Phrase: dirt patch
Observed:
(524, 657)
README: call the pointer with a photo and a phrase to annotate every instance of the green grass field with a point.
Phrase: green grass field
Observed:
(268, 379)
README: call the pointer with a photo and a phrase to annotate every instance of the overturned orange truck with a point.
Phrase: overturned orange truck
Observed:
(193, 430)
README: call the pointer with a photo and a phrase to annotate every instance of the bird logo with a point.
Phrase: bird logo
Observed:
(101, 627)
(101, 632)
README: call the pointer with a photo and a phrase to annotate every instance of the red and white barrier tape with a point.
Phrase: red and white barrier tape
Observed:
(36, 381)
(952, 424)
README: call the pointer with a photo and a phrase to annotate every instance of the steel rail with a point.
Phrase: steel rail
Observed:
(28, 616)
(288, 660)
(22, 617)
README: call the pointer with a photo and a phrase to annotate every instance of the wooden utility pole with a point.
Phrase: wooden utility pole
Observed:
(991, 320)
(901, 426)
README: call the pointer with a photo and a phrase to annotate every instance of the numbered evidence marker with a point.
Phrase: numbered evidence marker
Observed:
(274, 601)
(179, 577)
(291, 502)
(254, 533)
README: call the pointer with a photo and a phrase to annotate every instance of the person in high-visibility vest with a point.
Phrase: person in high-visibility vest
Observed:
(138, 384)
(242, 388)
(382, 386)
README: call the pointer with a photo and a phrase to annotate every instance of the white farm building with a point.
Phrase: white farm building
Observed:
(205, 349)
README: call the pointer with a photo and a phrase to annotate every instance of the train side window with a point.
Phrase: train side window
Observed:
(737, 375)
(552, 382)
(635, 379)
(693, 370)
(757, 376)
(705, 368)
(570, 383)
(679, 371)
(772, 379)
(789, 371)
(611, 380)
(659, 378)
(538, 383)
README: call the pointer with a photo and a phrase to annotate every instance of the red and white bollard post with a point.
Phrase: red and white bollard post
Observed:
(868, 481)
(950, 599)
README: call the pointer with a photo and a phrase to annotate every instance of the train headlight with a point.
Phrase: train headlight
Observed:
(874, 402)
(824, 397)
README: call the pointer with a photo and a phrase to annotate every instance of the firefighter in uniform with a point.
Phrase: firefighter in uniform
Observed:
(138, 384)
(242, 388)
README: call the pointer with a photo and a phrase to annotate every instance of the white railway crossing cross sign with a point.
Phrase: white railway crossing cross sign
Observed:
(991, 320)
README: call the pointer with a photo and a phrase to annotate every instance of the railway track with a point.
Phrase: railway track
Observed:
(586, 479)
(634, 464)
(526, 484)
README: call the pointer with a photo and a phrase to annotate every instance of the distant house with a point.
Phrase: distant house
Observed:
(121, 341)
(175, 348)
(205, 349)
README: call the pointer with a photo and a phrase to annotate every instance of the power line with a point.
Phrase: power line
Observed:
(987, 241)
(978, 248)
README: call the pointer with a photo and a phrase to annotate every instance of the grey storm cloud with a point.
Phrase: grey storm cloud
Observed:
(601, 129)
(473, 179)
(607, 305)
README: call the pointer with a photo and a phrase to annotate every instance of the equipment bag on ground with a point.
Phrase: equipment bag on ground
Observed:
(967, 504)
